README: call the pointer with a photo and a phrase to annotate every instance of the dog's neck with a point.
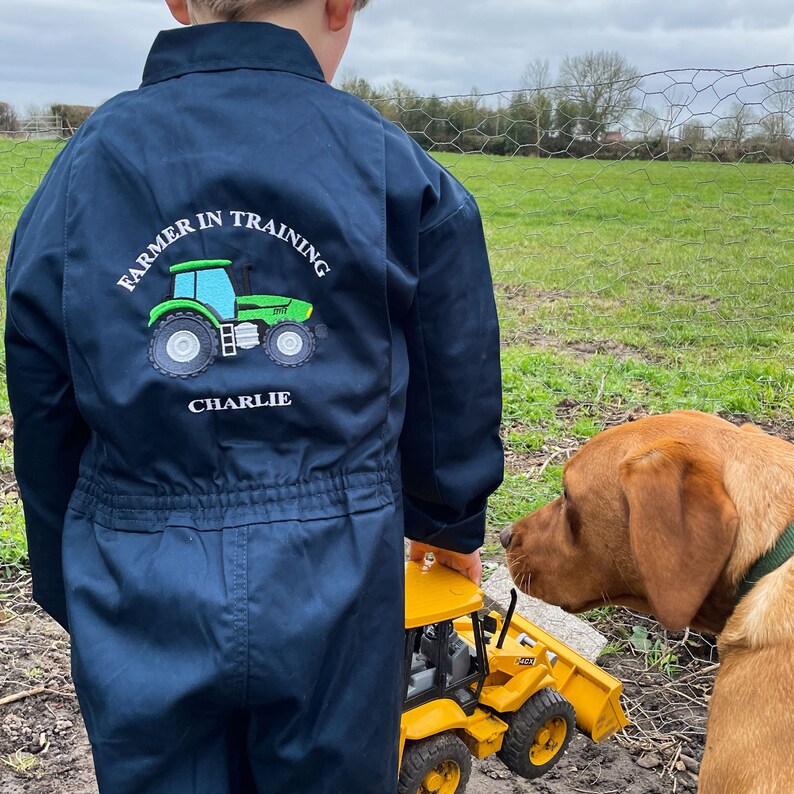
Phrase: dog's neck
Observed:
(778, 555)
(759, 478)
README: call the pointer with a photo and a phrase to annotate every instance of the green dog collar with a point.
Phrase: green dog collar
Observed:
(773, 559)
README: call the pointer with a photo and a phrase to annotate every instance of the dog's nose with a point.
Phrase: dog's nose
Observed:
(506, 536)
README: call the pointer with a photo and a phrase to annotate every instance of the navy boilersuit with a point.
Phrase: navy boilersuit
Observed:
(251, 343)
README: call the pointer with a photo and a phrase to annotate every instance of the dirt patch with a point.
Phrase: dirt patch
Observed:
(558, 450)
(527, 294)
(44, 749)
(580, 351)
(43, 746)
(782, 427)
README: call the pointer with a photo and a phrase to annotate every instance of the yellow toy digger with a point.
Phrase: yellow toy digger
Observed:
(480, 684)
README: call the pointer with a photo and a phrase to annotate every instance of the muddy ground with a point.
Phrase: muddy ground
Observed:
(44, 750)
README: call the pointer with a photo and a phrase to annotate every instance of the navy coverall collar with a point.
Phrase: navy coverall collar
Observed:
(222, 46)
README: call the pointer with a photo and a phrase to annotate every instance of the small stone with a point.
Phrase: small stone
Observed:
(649, 761)
(498, 774)
(690, 763)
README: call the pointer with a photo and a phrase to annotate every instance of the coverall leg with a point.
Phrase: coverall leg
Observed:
(185, 639)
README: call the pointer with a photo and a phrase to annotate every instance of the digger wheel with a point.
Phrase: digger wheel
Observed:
(537, 734)
(438, 765)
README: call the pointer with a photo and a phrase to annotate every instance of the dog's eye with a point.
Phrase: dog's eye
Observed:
(566, 495)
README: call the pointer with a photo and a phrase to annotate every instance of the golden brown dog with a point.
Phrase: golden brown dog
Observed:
(668, 515)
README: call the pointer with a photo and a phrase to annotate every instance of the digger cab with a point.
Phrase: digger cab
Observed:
(438, 662)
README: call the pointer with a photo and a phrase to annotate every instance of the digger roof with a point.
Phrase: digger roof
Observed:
(434, 593)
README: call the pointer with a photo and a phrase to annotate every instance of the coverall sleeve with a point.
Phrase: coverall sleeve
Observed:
(49, 432)
(452, 457)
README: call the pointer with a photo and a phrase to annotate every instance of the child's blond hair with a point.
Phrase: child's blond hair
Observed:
(240, 10)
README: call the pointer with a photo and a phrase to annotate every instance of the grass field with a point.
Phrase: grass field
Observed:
(623, 288)
(633, 287)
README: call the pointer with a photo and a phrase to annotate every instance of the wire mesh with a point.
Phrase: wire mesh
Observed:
(641, 235)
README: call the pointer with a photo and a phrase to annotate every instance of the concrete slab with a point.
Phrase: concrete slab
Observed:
(573, 631)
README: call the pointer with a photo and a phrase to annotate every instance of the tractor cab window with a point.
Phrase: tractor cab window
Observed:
(185, 285)
(214, 289)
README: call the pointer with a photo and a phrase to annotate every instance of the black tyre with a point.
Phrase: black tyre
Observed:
(289, 344)
(438, 765)
(183, 345)
(538, 734)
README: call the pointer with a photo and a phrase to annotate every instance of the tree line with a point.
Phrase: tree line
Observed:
(593, 108)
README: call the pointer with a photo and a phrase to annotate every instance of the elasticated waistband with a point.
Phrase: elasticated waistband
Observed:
(315, 499)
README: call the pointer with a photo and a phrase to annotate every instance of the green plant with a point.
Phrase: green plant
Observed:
(657, 653)
(13, 543)
(614, 648)
(21, 762)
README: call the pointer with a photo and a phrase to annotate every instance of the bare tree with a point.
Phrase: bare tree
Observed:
(734, 128)
(602, 85)
(531, 108)
(649, 122)
(693, 134)
(779, 102)
(8, 118)
(677, 101)
(537, 75)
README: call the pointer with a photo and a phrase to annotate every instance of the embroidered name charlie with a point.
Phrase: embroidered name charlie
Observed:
(274, 399)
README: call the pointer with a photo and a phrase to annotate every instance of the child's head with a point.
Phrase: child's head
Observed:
(246, 10)
(325, 24)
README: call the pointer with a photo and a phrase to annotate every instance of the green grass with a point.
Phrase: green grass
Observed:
(22, 165)
(13, 545)
(633, 285)
(621, 286)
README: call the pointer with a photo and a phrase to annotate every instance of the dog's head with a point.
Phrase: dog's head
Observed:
(644, 520)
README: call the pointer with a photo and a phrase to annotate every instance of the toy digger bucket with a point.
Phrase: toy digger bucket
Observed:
(593, 693)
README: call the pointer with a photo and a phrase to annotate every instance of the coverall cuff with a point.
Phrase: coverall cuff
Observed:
(464, 536)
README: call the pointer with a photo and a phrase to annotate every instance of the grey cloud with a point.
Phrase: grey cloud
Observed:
(84, 51)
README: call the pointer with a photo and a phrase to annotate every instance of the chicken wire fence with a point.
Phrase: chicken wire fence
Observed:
(641, 234)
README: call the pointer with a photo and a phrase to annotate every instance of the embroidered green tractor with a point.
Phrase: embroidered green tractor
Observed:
(205, 312)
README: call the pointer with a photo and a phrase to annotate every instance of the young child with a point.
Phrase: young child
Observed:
(251, 343)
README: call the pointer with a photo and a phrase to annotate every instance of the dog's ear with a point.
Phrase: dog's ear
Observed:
(682, 525)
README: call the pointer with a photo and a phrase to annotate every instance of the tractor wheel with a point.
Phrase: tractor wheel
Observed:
(183, 345)
(289, 344)
(538, 734)
(440, 764)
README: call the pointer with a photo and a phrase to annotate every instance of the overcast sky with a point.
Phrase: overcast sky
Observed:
(85, 51)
